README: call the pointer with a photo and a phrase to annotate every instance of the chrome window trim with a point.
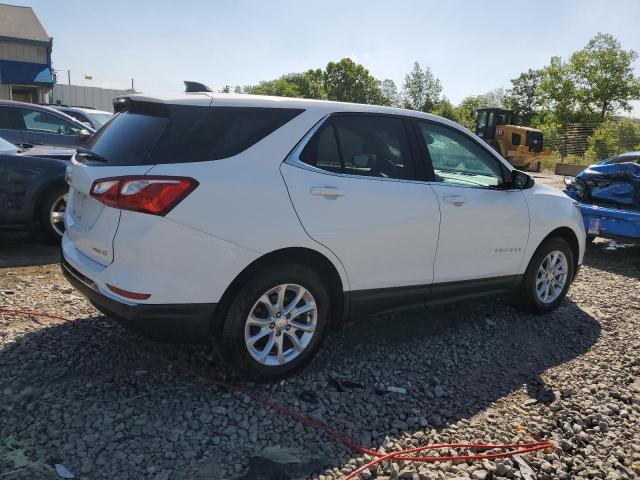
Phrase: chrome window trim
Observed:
(293, 159)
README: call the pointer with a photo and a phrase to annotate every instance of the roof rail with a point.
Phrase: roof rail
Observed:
(195, 87)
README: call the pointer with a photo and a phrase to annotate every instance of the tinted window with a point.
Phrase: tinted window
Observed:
(44, 122)
(374, 146)
(78, 116)
(367, 145)
(459, 160)
(6, 118)
(152, 134)
(322, 150)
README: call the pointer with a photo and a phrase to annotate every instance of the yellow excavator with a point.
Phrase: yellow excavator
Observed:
(521, 146)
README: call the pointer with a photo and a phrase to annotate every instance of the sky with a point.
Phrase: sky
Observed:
(471, 46)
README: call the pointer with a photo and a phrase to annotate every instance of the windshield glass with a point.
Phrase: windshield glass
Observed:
(100, 118)
(7, 147)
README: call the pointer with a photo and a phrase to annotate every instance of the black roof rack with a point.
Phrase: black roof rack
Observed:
(195, 87)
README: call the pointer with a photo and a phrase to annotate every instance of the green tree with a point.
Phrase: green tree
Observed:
(525, 97)
(279, 87)
(613, 137)
(604, 76)
(558, 90)
(466, 112)
(421, 89)
(445, 108)
(226, 89)
(347, 81)
(309, 84)
(390, 93)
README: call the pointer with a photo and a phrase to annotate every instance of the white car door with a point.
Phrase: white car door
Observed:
(484, 226)
(353, 185)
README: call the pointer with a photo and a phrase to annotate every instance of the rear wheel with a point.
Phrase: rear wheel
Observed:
(52, 208)
(548, 276)
(277, 322)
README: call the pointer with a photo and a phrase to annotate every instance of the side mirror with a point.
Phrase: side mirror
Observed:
(84, 134)
(521, 180)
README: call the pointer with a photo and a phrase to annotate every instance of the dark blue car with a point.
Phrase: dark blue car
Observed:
(33, 191)
(25, 123)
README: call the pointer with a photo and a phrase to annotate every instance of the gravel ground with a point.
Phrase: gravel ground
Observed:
(476, 371)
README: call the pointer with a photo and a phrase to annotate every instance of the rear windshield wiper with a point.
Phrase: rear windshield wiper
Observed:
(86, 153)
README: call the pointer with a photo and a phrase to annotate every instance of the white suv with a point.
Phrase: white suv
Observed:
(256, 222)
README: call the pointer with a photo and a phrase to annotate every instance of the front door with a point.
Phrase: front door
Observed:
(484, 227)
(355, 191)
(44, 128)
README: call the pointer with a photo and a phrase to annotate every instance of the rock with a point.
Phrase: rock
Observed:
(479, 474)
(439, 391)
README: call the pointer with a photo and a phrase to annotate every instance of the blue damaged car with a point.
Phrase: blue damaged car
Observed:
(608, 194)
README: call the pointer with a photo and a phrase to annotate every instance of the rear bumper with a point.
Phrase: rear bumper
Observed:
(175, 323)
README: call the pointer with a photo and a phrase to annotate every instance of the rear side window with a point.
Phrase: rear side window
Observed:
(322, 150)
(153, 134)
(6, 118)
(366, 145)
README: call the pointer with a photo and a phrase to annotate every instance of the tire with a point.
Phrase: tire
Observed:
(528, 296)
(54, 199)
(236, 329)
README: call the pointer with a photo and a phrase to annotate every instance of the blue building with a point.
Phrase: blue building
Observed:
(25, 56)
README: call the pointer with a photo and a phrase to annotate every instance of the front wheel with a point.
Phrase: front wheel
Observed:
(548, 276)
(277, 322)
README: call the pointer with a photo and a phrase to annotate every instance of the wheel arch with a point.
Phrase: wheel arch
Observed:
(566, 233)
(301, 255)
(42, 191)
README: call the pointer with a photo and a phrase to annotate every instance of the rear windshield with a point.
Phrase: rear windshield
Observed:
(149, 134)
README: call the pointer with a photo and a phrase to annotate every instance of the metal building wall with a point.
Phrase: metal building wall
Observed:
(80, 96)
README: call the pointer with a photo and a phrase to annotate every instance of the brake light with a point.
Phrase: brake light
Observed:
(155, 195)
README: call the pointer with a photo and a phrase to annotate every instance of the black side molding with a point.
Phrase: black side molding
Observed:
(365, 302)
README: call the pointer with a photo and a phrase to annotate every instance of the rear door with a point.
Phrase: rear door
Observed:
(484, 226)
(358, 191)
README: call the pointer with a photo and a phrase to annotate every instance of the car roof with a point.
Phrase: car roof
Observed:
(245, 100)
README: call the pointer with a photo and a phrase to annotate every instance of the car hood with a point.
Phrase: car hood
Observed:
(48, 151)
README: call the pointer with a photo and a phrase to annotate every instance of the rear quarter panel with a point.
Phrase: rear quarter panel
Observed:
(23, 180)
(244, 201)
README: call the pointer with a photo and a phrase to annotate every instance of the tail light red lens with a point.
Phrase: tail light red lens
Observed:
(155, 195)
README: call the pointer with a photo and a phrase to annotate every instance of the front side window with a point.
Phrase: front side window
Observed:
(43, 122)
(366, 145)
(458, 160)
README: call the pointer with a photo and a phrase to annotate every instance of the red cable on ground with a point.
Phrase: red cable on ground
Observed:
(402, 455)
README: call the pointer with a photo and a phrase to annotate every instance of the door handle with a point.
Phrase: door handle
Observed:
(455, 200)
(330, 192)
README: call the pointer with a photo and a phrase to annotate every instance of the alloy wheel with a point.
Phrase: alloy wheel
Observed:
(281, 324)
(56, 214)
(552, 276)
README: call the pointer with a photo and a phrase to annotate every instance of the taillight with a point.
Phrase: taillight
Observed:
(155, 195)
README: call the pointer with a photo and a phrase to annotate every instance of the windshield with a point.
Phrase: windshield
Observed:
(7, 147)
(100, 118)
